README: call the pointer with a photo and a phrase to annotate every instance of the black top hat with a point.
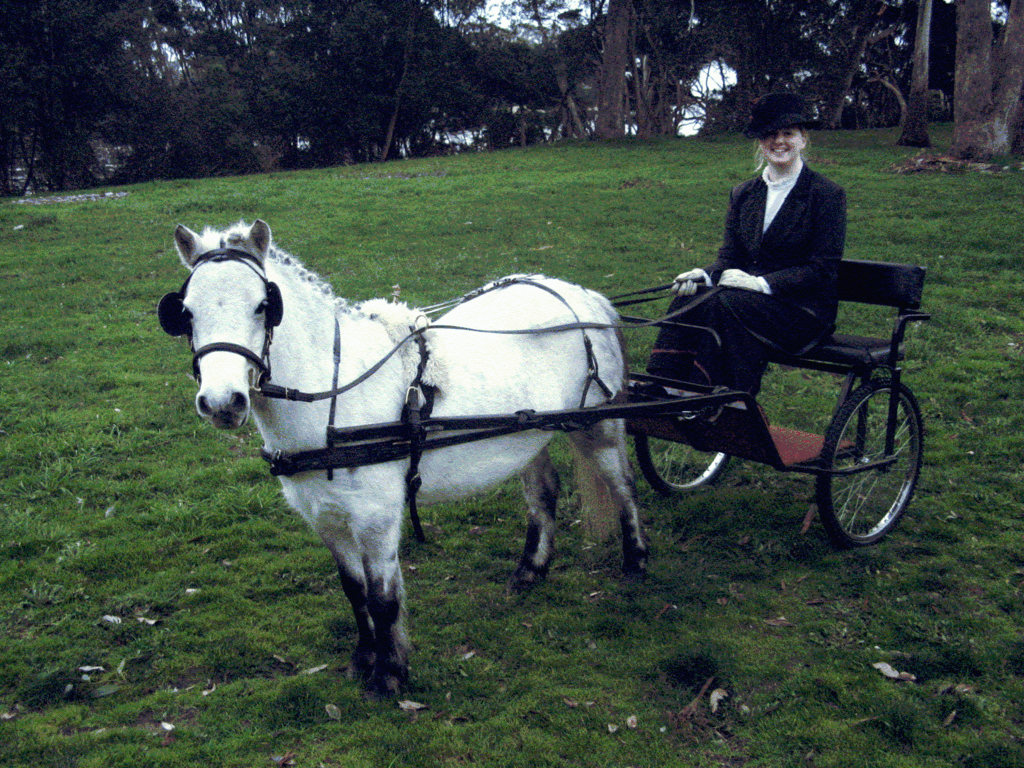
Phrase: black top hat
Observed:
(776, 111)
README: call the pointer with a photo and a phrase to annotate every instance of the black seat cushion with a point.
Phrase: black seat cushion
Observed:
(843, 349)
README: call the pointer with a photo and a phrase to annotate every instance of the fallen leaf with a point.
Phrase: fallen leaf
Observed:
(949, 719)
(632, 722)
(411, 706)
(886, 670)
(893, 674)
(808, 519)
(612, 728)
(571, 703)
(781, 621)
(333, 712)
(314, 670)
(664, 608)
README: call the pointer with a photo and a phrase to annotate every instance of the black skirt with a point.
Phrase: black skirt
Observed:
(724, 336)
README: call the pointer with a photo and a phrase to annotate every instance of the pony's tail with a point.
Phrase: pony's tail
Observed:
(600, 503)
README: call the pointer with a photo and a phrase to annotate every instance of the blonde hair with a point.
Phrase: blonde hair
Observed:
(759, 159)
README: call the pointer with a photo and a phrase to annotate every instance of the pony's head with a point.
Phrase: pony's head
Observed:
(228, 309)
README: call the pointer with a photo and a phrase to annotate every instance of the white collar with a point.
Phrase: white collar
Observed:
(787, 180)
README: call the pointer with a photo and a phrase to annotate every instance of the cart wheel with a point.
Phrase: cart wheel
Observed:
(672, 467)
(860, 508)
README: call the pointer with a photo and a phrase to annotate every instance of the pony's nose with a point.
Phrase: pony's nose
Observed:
(227, 412)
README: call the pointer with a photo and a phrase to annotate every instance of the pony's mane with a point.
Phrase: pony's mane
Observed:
(236, 235)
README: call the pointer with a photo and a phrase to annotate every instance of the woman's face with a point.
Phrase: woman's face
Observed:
(783, 147)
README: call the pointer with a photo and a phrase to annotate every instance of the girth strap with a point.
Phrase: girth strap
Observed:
(419, 401)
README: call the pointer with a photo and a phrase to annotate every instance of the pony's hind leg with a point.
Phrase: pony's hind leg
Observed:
(540, 486)
(606, 483)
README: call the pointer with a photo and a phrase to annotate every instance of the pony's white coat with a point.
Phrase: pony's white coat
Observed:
(359, 514)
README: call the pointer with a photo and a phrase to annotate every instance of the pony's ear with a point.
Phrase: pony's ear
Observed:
(185, 240)
(260, 237)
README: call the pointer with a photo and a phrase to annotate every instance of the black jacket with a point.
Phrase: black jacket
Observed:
(799, 254)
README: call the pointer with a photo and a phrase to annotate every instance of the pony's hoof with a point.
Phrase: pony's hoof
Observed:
(523, 580)
(382, 687)
(634, 576)
(361, 666)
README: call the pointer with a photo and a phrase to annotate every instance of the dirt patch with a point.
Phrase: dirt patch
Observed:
(947, 164)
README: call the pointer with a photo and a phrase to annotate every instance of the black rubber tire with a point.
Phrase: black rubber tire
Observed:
(672, 468)
(861, 508)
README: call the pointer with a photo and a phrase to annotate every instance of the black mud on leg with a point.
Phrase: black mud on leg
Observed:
(362, 657)
(390, 664)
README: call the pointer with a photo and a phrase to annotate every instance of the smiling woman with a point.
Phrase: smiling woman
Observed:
(773, 286)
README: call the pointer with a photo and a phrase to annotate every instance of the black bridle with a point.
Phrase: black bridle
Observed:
(177, 321)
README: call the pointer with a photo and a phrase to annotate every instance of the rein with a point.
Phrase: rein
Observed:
(276, 391)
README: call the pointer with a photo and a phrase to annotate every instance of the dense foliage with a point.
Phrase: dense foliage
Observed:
(95, 91)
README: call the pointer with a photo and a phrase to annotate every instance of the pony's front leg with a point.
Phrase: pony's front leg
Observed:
(540, 486)
(371, 578)
(386, 606)
(372, 581)
(354, 584)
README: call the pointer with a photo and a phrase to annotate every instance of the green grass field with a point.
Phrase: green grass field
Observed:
(161, 606)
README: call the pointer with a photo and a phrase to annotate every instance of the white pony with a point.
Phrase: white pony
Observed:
(242, 292)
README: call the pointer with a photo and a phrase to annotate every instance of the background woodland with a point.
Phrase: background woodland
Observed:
(123, 91)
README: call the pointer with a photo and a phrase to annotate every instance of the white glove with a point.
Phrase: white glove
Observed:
(686, 283)
(737, 278)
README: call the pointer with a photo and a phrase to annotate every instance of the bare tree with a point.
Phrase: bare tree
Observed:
(854, 33)
(989, 81)
(915, 121)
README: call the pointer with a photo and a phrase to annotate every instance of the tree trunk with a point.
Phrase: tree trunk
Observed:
(389, 137)
(611, 97)
(915, 123)
(571, 121)
(989, 81)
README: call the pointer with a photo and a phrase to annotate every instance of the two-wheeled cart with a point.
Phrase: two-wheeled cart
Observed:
(867, 462)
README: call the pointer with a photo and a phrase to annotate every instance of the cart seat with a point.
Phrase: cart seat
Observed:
(846, 350)
(899, 286)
